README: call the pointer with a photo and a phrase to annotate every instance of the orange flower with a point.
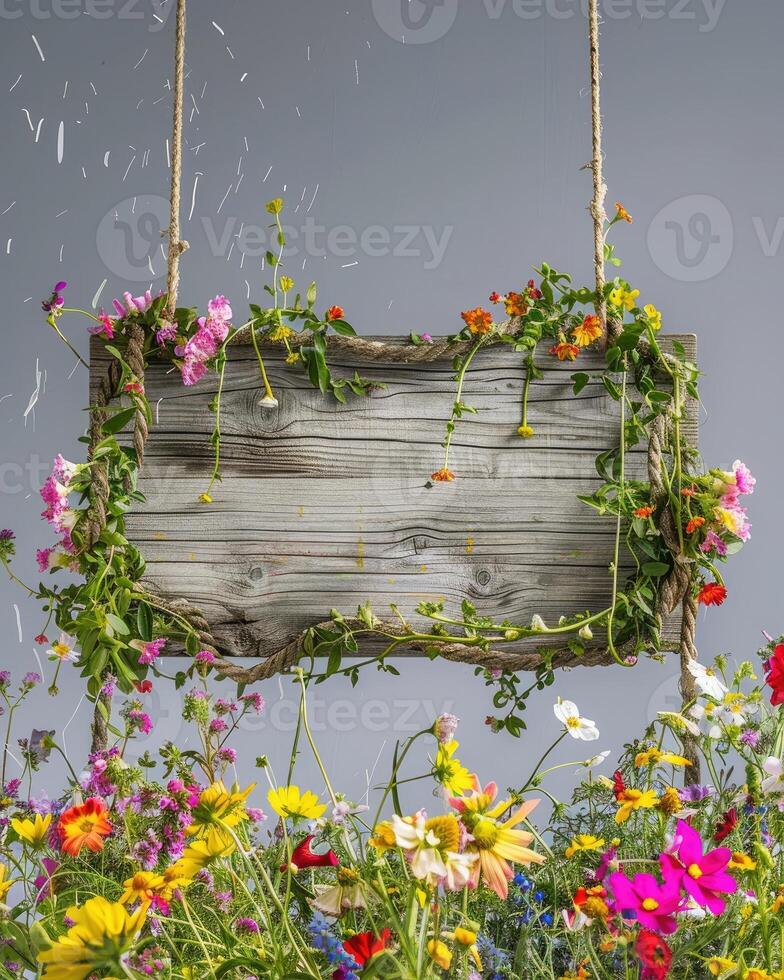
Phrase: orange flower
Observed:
(643, 512)
(443, 475)
(623, 214)
(588, 331)
(565, 351)
(689, 492)
(478, 320)
(712, 594)
(84, 826)
(516, 304)
(335, 313)
(695, 524)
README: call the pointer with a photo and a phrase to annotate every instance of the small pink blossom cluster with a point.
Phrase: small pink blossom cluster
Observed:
(133, 304)
(203, 345)
(59, 514)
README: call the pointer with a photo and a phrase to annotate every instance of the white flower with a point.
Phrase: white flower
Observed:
(708, 680)
(595, 760)
(585, 633)
(348, 893)
(269, 401)
(582, 728)
(537, 623)
(64, 650)
(708, 714)
(735, 709)
(432, 849)
(445, 727)
(774, 783)
(343, 809)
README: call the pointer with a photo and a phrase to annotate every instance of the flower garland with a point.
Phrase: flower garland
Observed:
(111, 624)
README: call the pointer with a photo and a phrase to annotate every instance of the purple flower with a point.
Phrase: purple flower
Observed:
(713, 542)
(247, 925)
(694, 794)
(750, 737)
(140, 720)
(228, 756)
(427, 338)
(7, 534)
(255, 701)
(55, 301)
(205, 657)
(31, 679)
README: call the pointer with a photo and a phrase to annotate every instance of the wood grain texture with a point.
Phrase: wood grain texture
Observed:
(325, 505)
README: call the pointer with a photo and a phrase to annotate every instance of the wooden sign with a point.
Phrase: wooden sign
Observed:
(325, 505)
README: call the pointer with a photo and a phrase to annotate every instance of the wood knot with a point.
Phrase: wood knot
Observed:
(256, 574)
(483, 577)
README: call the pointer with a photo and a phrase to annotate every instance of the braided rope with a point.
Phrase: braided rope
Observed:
(176, 246)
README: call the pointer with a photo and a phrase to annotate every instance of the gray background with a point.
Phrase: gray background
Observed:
(469, 125)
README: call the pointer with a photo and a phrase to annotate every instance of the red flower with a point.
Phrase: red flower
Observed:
(495, 297)
(643, 512)
(303, 856)
(533, 292)
(774, 675)
(726, 825)
(365, 945)
(712, 594)
(40, 639)
(564, 351)
(695, 524)
(335, 313)
(143, 687)
(84, 825)
(654, 954)
(619, 786)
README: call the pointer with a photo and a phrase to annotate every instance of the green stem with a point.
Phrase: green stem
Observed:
(459, 397)
(619, 522)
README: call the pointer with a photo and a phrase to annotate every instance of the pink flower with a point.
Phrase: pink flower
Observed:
(743, 478)
(133, 304)
(168, 331)
(219, 308)
(702, 876)
(713, 542)
(193, 371)
(653, 905)
(151, 651)
(44, 558)
(104, 327)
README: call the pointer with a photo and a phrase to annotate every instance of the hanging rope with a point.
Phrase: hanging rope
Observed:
(134, 355)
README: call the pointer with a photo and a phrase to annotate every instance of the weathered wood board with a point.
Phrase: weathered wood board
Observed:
(325, 505)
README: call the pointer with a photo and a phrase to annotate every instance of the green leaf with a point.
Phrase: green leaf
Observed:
(144, 621)
(117, 624)
(579, 381)
(655, 569)
(343, 328)
(118, 422)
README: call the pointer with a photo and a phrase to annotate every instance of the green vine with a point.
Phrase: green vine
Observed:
(112, 626)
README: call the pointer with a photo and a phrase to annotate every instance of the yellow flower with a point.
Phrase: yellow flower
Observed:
(293, 357)
(205, 498)
(33, 831)
(584, 842)
(288, 801)
(654, 316)
(275, 206)
(103, 932)
(623, 297)
(219, 806)
(286, 283)
(670, 802)
(525, 431)
(742, 862)
(198, 855)
(588, 331)
(5, 882)
(439, 953)
(466, 937)
(654, 756)
(720, 966)
(383, 838)
(623, 214)
(450, 772)
(141, 887)
(281, 332)
(634, 799)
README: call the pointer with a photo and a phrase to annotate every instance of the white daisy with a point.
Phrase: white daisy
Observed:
(708, 680)
(774, 783)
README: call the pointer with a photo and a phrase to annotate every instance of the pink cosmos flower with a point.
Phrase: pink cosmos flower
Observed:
(654, 905)
(702, 876)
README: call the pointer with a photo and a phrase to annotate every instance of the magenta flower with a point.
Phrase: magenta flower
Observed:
(701, 875)
(55, 301)
(150, 651)
(653, 905)
(104, 327)
(743, 478)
